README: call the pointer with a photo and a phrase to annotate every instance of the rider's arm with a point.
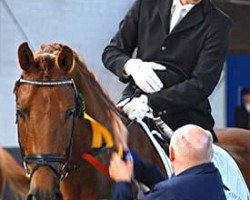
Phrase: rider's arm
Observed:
(123, 44)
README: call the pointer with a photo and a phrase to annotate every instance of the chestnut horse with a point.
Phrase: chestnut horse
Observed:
(12, 173)
(237, 143)
(52, 139)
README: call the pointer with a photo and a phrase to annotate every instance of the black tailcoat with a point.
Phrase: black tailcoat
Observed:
(193, 53)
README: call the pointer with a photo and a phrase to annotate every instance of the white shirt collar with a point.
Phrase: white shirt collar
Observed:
(177, 3)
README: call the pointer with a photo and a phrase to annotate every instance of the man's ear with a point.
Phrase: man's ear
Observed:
(171, 153)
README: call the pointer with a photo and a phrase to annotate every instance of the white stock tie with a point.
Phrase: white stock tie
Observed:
(177, 16)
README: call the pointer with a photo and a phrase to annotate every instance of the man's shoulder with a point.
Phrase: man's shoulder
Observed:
(220, 16)
(170, 189)
(203, 181)
(150, 3)
(174, 183)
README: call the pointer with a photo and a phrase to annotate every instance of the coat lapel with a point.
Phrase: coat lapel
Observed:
(194, 17)
(164, 7)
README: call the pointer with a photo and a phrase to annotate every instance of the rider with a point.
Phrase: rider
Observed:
(181, 47)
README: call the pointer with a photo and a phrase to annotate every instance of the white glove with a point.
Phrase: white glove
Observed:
(143, 74)
(137, 107)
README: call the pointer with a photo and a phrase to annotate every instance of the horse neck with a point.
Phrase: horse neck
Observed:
(97, 103)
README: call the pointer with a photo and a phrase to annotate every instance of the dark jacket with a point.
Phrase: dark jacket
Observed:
(193, 53)
(242, 118)
(202, 182)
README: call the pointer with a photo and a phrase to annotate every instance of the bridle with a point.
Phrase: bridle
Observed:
(48, 159)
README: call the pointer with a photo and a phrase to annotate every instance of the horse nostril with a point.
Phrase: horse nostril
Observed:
(55, 196)
(58, 196)
(31, 197)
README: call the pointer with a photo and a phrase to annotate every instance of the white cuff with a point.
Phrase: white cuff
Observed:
(130, 66)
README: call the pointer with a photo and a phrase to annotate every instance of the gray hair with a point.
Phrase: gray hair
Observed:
(193, 142)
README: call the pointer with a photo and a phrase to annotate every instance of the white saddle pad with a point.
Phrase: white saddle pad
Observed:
(231, 175)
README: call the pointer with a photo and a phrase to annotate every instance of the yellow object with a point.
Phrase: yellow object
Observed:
(101, 134)
(120, 151)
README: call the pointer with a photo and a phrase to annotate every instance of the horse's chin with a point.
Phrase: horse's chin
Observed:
(56, 196)
(44, 185)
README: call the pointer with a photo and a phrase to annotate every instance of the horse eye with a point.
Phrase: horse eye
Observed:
(70, 112)
(20, 113)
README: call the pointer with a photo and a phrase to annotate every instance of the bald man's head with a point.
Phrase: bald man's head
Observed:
(190, 145)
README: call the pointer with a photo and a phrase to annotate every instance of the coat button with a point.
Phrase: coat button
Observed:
(163, 48)
(160, 113)
(164, 112)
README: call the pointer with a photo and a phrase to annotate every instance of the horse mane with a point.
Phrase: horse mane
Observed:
(91, 78)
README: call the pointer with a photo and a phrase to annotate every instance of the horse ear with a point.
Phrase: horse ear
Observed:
(65, 59)
(25, 56)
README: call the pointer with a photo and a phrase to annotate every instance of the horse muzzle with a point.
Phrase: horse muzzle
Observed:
(44, 196)
(44, 185)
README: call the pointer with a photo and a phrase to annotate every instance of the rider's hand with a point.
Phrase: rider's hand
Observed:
(119, 170)
(143, 74)
(137, 107)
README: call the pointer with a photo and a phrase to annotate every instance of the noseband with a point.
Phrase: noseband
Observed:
(48, 160)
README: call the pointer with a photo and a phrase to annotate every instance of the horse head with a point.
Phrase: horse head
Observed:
(46, 110)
